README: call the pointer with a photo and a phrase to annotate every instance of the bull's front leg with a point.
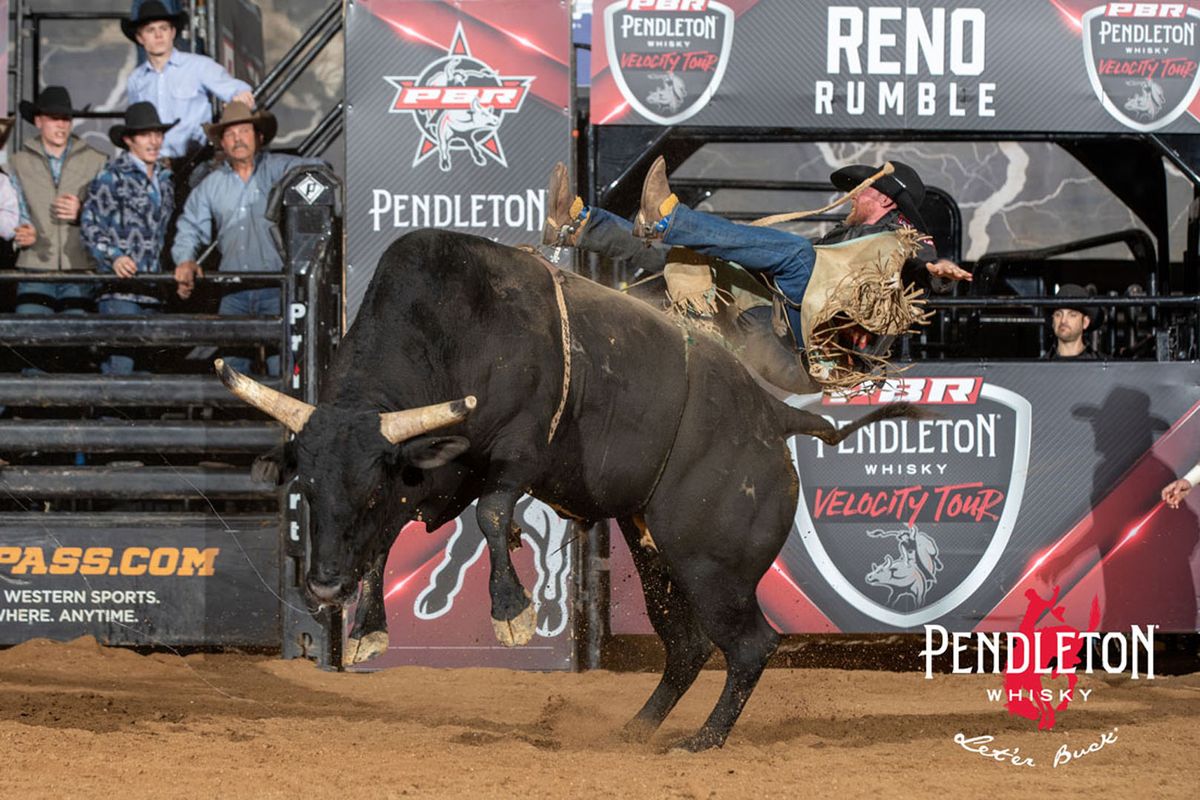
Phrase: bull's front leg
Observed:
(369, 637)
(513, 615)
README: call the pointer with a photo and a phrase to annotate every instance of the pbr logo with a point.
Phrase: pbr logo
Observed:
(458, 103)
(1143, 60)
(668, 56)
(876, 513)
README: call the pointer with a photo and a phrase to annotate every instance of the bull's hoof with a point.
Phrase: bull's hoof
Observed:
(699, 742)
(518, 630)
(359, 650)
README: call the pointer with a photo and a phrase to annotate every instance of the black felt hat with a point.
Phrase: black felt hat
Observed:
(904, 186)
(152, 12)
(54, 101)
(139, 117)
(1072, 294)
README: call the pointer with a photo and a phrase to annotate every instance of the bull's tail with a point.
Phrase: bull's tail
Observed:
(797, 421)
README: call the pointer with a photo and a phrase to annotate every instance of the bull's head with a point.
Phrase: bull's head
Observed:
(364, 474)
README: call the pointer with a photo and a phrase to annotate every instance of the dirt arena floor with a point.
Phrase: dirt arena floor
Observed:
(78, 720)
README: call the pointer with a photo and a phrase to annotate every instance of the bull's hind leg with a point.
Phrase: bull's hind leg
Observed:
(514, 618)
(369, 636)
(687, 647)
(728, 611)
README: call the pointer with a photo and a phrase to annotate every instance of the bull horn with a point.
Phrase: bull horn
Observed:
(291, 412)
(396, 426)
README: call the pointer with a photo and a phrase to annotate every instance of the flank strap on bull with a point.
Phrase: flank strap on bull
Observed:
(558, 278)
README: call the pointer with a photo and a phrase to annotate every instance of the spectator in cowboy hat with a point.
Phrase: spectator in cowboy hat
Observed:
(233, 199)
(126, 215)
(1070, 323)
(51, 173)
(177, 83)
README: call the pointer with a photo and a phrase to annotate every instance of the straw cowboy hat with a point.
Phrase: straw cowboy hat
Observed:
(238, 113)
(54, 101)
(152, 12)
(139, 117)
(6, 126)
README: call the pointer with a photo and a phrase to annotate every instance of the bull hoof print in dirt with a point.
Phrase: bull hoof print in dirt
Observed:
(360, 650)
(637, 732)
(518, 630)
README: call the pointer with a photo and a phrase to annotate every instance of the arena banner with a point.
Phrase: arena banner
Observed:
(455, 113)
(920, 65)
(436, 594)
(166, 580)
(240, 39)
(1024, 477)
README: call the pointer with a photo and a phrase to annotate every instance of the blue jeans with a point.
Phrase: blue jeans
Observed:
(786, 258)
(612, 236)
(36, 297)
(252, 303)
(121, 362)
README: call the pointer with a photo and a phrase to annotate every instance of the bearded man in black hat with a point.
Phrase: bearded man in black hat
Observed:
(126, 214)
(177, 83)
(51, 173)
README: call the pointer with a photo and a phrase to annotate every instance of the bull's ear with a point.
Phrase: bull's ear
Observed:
(430, 452)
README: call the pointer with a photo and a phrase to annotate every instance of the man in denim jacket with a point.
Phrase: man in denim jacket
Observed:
(126, 215)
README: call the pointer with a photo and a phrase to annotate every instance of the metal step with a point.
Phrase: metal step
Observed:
(139, 436)
(105, 390)
(130, 483)
(157, 329)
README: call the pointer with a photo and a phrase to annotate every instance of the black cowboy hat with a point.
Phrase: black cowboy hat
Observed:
(54, 101)
(139, 117)
(152, 12)
(1074, 292)
(904, 186)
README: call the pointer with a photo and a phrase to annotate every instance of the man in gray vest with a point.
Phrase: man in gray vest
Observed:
(51, 173)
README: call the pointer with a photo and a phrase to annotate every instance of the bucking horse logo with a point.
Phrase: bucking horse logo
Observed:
(913, 572)
(542, 529)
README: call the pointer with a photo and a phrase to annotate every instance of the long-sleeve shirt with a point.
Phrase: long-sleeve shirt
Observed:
(10, 214)
(181, 92)
(127, 213)
(239, 210)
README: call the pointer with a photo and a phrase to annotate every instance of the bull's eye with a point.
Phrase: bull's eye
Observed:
(375, 497)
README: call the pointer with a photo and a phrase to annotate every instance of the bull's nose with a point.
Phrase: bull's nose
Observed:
(323, 591)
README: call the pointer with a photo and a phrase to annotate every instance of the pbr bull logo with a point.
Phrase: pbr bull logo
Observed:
(913, 485)
(1143, 61)
(542, 530)
(459, 103)
(913, 573)
(668, 56)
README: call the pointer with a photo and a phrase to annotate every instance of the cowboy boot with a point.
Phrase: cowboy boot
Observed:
(658, 203)
(565, 217)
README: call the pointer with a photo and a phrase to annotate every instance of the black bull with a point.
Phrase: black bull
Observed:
(661, 429)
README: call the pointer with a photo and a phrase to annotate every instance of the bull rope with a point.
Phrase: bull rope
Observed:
(558, 278)
(775, 219)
